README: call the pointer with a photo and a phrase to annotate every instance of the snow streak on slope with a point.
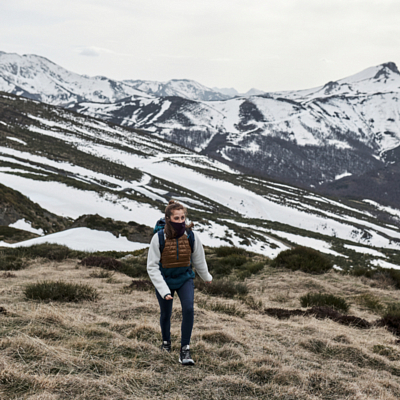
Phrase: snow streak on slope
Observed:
(241, 200)
(216, 193)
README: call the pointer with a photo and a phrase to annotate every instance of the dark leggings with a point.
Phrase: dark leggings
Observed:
(186, 296)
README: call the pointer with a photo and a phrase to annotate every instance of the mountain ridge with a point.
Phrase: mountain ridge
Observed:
(73, 165)
(307, 138)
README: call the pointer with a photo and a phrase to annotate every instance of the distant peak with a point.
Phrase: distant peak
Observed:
(392, 66)
(181, 80)
(384, 70)
(330, 86)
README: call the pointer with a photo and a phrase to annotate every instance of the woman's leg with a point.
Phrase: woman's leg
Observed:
(186, 296)
(165, 317)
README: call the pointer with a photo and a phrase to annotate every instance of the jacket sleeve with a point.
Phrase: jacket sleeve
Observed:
(199, 260)
(153, 268)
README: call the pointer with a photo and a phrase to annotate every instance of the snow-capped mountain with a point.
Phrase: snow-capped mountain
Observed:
(309, 138)
(383, 78)
(185, 88)
(334, 138)
(231, 92)
(40, 79)
(72, 165)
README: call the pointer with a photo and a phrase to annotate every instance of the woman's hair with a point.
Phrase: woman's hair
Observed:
(171, 207)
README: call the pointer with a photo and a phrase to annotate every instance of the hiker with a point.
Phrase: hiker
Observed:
(174, 249)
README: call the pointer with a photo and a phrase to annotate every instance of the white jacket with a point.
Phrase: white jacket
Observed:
(153, 268)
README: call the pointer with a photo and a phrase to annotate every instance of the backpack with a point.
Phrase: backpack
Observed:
(159, 228)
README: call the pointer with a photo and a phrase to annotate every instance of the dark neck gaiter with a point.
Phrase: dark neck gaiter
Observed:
(179, 228)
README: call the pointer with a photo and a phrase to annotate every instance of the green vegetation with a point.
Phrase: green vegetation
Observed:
(15, 203)
(369, 301)
(60, 291)
(11, 263)
(226, 251)
(13, 235)
(234, 262)
(51, 251)
(131, 230)
(135, 267)
(392, 310)
(101, 262)
(222, 287)
(141, 285)
(386, 351)
(228, 309)
(323, 299)
(102, 274)
(386, 276)
(57, 252)
(303, 259)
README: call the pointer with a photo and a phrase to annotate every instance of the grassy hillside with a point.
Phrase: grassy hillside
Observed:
(109, 348)
(15, 206)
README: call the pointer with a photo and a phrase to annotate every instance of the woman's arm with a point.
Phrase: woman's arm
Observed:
(199, 260)
(153, 268)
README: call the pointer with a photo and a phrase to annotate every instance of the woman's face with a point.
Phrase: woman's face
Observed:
(178, 216)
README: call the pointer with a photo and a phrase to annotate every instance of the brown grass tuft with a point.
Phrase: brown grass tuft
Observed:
(109, 349)
(218, 337)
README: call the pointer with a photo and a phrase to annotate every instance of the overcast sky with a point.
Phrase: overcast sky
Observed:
(267, 44)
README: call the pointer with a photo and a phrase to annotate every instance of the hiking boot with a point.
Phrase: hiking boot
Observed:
(166, 345)
(184, 356)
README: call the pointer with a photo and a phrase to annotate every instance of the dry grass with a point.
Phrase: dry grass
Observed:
(109, 349)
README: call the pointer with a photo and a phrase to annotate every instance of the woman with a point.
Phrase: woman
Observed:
(172, 253)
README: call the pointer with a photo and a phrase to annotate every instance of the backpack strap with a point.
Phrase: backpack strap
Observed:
(191, 238)
(161, 240)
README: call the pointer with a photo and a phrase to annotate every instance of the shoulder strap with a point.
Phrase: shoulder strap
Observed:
(191, 238)
(161, 240)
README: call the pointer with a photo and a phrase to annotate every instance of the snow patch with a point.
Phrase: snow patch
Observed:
(26, 226)
(85, 239)
(16, 140)
(390, 210)
(384, 264)
(365, 250)
(340, 176)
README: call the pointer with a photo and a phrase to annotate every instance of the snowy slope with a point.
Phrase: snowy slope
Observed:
(185, 88)
(342, 138)
(230, 207)
(38, 78)
(310, 138)
(368, 119)
(384, 78)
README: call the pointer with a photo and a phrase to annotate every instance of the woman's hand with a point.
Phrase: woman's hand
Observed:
(168, 297)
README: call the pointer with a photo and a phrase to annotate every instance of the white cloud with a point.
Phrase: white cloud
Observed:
(88, 51)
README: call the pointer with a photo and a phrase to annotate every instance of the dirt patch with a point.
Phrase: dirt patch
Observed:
(320, 313)
(391, 323)
(6, 275)
(140, 285)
